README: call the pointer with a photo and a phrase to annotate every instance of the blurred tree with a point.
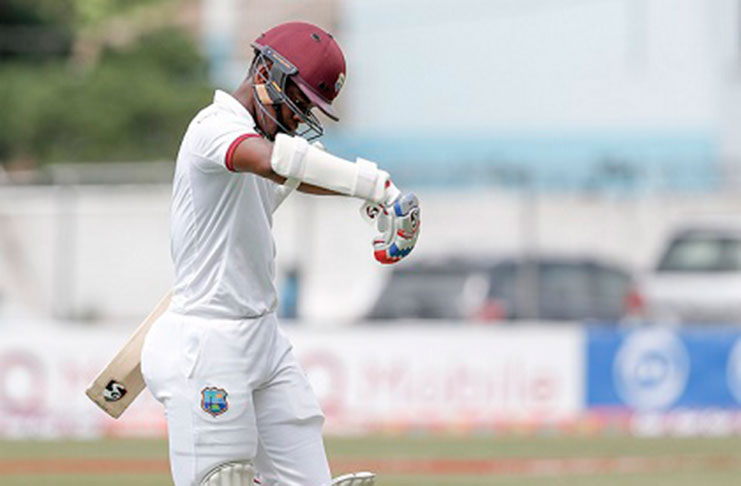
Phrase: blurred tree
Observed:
(35, 28)
(131, 103)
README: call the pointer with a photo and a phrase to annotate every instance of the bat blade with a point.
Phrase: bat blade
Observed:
(121, 381)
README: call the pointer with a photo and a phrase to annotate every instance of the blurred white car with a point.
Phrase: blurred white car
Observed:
(697, 279)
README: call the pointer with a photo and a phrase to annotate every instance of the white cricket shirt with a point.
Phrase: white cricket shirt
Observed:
(220, 221)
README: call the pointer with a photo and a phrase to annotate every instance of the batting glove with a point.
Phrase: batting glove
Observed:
(398, 223)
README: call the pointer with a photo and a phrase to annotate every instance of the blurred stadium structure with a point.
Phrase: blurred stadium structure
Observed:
(571, 127)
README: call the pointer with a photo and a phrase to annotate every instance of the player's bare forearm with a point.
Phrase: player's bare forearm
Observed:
(316, 190)
(320, 173)
(253, 155)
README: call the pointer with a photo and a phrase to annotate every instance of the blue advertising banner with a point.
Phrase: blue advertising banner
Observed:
(660, 368)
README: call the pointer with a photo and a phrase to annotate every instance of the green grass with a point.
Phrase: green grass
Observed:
(705, 473)
(92, 449)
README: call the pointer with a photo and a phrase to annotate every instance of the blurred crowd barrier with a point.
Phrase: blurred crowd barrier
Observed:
(101, 252)
(534, 378)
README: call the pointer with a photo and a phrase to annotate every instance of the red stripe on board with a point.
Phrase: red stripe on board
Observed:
(233, 147)
(541, 467)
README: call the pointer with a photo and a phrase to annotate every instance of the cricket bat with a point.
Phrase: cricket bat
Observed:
(121, 381)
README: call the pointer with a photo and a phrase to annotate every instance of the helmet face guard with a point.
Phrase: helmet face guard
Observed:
(279, 70)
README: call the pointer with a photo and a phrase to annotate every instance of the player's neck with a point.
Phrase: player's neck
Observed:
(243, 94)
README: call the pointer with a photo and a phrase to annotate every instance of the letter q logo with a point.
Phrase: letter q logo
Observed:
(651, 369)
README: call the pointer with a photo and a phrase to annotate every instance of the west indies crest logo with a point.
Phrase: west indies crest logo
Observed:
(213, 400)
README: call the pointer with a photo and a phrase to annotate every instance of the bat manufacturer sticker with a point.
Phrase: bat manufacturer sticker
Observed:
(114, 391)
(214, 401)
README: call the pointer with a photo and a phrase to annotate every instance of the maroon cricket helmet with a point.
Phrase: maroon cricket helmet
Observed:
(318, 59)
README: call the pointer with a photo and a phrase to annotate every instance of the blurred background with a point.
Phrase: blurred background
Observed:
(578, 164)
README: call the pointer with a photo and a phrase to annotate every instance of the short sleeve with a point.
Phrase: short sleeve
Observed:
(214, 135)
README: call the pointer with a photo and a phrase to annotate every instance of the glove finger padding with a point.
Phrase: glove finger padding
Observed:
(399, 227)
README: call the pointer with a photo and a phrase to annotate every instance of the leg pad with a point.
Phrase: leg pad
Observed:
(355, 479)
(234, 473)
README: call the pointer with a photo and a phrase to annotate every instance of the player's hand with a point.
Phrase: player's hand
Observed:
(398, 224)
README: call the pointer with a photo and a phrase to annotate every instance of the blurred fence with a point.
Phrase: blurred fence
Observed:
(76, 245)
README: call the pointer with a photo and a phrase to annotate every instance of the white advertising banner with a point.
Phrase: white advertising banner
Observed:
(415, 376)
(367, 378)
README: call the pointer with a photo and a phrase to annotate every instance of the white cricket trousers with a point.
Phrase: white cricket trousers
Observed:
(232, 390)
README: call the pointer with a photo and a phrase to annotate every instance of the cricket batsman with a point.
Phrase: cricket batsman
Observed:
(239, 407)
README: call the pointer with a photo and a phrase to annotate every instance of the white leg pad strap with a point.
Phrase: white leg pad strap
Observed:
(355, 479)
(293, 157)
(235, 473)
